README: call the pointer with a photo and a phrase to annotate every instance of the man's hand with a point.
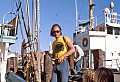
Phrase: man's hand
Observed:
(75, 60)
(60, 59)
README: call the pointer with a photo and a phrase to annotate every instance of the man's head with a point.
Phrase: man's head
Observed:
(56, 31)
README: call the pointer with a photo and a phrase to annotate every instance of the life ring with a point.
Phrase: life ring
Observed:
(85, 42)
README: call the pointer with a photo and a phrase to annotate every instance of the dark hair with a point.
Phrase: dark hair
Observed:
(51, 32)
(104, 75)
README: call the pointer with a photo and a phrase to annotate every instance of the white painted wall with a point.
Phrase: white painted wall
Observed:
(112, 50)
(100, 40)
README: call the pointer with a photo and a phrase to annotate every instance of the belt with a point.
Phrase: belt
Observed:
(55, 61)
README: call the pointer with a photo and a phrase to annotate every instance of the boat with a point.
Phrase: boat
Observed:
(100, 40)
(10, 69)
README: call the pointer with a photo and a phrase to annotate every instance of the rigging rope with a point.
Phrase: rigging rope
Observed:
(101, 4)
(24, 23)
(81, 9)
(28, 16)
(18, 8)
(12, 4)
(59, 8)
(57, 13)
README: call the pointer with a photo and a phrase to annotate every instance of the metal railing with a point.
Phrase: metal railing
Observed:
(12, 77)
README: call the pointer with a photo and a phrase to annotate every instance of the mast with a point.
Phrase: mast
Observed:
(91, 6)
(76, 17)
(38, 38)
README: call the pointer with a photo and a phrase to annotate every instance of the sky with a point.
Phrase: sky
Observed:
(61, 12)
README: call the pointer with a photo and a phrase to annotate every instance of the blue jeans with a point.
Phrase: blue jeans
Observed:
(78, 64)
(63, 71)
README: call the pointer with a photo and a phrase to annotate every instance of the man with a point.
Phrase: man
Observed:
(60, 54)
(78, 57)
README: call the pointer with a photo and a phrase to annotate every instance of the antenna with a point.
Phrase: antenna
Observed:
(50, 48)
(76, 17)
(111, 5)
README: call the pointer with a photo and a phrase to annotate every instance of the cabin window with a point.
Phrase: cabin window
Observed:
(99, 28)
(117, 31)
(109, 30)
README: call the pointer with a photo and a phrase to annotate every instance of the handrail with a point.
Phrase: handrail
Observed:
(12, 77)
(3, 20)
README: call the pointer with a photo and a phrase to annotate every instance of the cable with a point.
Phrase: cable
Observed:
(101, 4)
(81, 9)
(57, 13)
(59, 8)
(12, 5)
(28, 17)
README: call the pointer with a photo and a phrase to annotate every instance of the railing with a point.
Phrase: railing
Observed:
(11, 27)
(113, 18)
(12, 77)
(100, 20)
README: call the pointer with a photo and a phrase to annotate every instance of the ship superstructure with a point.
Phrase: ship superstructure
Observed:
(103, 36)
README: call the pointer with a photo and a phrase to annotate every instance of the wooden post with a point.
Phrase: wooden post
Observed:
(48, 67)
(84, 62)
(15, 64)
(8, 64)
(98, 58)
